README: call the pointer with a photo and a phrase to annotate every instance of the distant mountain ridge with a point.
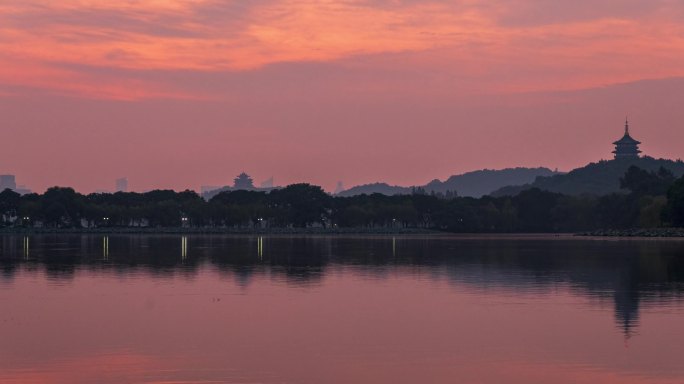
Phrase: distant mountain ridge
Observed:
(598, 179)
(470, 184)
(484, 182)
(382, 188)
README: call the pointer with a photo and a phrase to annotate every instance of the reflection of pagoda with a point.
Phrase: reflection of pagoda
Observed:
(627, 309)
(627, 147)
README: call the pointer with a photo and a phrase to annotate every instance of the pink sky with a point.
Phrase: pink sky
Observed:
(183, 93)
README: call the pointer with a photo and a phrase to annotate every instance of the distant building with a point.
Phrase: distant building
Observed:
(8, 182)
(339, 188)
(22, 190)
(267, 183)
(627, 147)
(208, 188)
(243, 181)
(121, 185)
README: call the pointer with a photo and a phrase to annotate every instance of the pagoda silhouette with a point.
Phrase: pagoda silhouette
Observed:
(627, 147)
(243, 181)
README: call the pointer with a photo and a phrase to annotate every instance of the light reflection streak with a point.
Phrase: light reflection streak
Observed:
(105, 248)
(260, 247)
(26, 247)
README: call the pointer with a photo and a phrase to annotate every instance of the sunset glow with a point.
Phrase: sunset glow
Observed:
(465, 84)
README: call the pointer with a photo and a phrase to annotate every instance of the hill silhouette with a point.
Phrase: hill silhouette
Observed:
(382, 188)
(470, 184)
(598, 179)
(483, 182)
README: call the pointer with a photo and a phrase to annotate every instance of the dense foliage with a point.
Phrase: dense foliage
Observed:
(649, 199)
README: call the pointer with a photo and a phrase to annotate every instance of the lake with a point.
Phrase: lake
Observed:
(240, 309)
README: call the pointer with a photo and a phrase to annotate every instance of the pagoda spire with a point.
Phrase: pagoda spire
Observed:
(626, 126)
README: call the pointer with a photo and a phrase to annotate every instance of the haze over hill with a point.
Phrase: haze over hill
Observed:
(600, 178)
(470, 184)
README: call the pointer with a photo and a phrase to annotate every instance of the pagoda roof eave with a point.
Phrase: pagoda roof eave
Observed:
(627, 140)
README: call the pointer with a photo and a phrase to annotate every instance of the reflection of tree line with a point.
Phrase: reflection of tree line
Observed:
(627, 272)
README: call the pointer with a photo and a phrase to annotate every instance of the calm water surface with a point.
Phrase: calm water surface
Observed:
(222, 309)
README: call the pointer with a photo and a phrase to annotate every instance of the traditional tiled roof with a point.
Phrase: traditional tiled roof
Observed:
(627, 139)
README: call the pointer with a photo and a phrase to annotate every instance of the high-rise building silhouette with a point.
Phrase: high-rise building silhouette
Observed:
(268, 183)
(8, 182)
(122, 185)
(208, 188)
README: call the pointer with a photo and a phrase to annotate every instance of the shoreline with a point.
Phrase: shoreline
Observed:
(636, 232)
(662, 233)
(220, 231)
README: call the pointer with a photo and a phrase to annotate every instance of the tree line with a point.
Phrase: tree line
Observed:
(648, 200)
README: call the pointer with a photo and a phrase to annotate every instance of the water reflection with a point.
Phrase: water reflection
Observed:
(26, 248)
(105, 248)
(260, 247)
(630, 274)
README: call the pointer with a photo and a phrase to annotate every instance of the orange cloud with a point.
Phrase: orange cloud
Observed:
(470, 39)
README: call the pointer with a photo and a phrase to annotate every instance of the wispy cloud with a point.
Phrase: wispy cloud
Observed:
(522, 45)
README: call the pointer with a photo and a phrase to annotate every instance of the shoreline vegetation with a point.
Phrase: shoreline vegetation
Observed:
(221, 231)
(607, 233)
(635, 232)
(650, 204)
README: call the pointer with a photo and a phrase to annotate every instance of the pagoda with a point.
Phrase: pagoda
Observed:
(243, 181)
(627, 147)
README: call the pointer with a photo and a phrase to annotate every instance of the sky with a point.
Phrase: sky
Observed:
(183, 93)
